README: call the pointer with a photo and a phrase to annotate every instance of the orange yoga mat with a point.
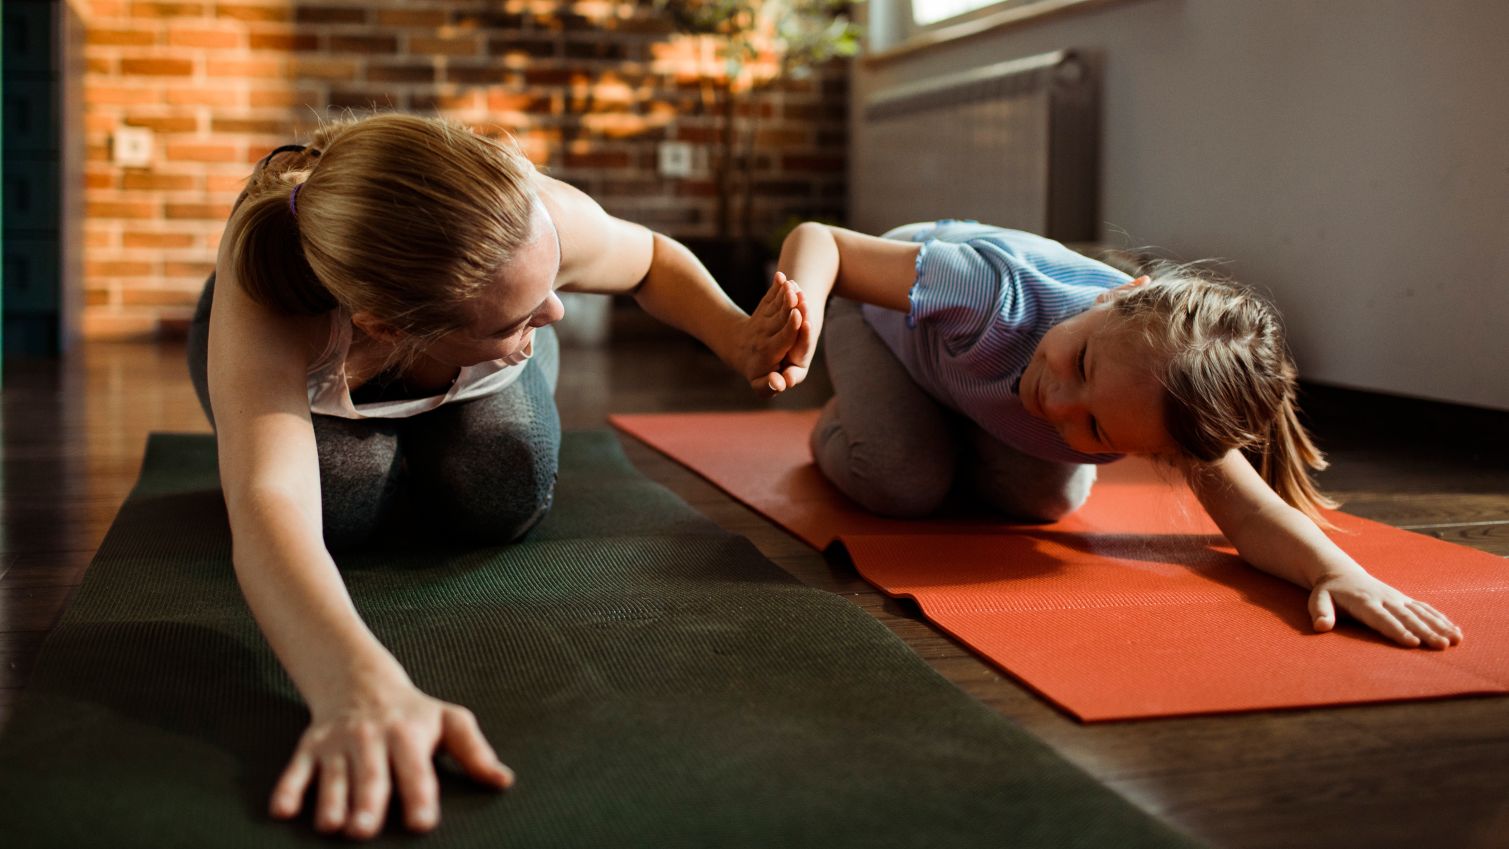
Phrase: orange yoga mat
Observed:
(1134, 606)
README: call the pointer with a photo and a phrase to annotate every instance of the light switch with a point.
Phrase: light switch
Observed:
(675, 159)
(131, 147)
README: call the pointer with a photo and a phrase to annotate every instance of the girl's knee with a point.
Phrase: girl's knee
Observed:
(902, 502)
(886, 482)
(1053, 502)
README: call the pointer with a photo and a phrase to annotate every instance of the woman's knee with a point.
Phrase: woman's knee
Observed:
(508, 524)
(359, 478)
(493, 490)
(480, 516)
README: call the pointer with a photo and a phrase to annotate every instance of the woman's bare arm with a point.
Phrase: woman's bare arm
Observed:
(607, 255)
(269, 472)
(367, 720)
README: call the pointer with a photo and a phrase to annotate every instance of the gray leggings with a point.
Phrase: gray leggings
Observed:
(483, 470)
(891, 447)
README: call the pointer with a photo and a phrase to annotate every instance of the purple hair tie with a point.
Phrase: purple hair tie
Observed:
(293, 200)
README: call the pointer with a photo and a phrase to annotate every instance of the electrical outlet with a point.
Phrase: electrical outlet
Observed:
(131, 147)
(675, 159)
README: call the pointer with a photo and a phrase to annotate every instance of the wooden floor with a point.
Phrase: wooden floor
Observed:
(1428, 774)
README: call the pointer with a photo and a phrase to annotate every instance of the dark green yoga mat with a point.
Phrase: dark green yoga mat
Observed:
(653, 680)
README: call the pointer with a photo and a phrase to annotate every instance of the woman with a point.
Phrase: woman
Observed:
(378, 328)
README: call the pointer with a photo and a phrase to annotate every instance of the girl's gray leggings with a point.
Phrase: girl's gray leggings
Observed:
(481, 470)
(891, 447)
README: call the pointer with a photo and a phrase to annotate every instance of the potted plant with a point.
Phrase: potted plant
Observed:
(759, 42)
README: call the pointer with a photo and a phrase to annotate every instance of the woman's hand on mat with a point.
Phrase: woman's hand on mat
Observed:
(773, 348)
(1381, 607)
(360, 748)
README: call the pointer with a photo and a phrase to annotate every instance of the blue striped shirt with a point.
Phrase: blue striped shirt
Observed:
(983, 299)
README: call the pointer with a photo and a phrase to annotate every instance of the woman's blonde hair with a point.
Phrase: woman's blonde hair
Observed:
(402, 216)
(1229, 379)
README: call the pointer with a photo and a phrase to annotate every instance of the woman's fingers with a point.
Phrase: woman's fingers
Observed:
(462, 737)
(777, 298)
(371, 786)
(330, 814)
(288, 793)
(784, 316)
(770, 345)
(790, 331)
(414, 771)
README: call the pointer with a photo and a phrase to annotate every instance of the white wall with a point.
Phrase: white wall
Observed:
(1349, 157)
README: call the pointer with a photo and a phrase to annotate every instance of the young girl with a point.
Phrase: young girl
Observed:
(1015, 365)
(378, 327)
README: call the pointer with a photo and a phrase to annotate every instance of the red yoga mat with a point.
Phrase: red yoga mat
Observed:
(1132, 607)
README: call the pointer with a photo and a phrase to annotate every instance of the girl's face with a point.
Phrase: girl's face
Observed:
(1095, 383)
(520, 299)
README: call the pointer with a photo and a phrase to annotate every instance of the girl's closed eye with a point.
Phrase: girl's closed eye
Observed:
(1094, 426)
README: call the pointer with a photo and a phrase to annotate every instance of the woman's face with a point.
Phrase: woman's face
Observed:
(1095, 383)
(521, 298)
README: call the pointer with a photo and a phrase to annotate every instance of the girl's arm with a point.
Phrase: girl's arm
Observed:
(367, 719)
(606, 255)
(824, 260)
(1283, 542)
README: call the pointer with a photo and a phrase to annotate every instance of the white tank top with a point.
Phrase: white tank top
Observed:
(330, 394)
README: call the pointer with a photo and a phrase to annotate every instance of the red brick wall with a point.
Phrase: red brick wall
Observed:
(589, 88)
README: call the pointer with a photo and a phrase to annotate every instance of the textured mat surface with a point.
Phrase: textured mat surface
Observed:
(1132, 607)
(653, 680)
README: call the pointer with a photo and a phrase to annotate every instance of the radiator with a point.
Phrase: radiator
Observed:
(1014, 144)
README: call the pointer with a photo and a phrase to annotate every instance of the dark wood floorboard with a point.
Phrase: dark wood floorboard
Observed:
(1371, 777)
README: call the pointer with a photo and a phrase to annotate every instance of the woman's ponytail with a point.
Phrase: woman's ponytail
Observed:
(267, 254)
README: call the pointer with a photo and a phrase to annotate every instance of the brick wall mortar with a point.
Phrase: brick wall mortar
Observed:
(588, 88)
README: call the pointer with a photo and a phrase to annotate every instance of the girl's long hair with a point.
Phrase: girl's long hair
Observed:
(1229, 379)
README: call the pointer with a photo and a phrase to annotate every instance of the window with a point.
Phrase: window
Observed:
(926, 12)
(905, 25)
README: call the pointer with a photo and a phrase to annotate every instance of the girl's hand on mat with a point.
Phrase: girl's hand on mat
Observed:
(1381, 607)
(768, 336)
(361, 747)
